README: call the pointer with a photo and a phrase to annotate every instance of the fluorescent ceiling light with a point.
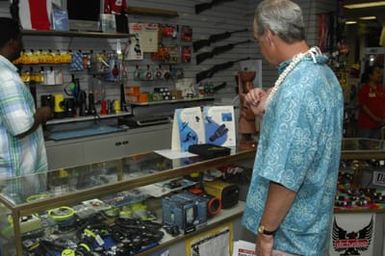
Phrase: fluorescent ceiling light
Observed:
(350, 22)
(368, 18)
(364, 5)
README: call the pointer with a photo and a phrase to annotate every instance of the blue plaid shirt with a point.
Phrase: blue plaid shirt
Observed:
(18, 156)
(299, 148)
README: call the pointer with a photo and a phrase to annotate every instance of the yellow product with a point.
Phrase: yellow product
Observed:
(25, 77)
(68, 252)
(38, 57)
(34, 77)
(27, 58)
(63, 173)
(195, 174)
(228, 193)
(117, 106)
(57, 57)
(54, 58)
(85, 246)
(139, 210)
(58, 99)
(89, 232)
(62, 213)
(34, 57)
(37, 197)
(44, 57)
(67, 57)
(48, 57)
(41, 76)
(125, 212)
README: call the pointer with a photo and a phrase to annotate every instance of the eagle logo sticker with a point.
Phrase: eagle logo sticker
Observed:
(351, 242)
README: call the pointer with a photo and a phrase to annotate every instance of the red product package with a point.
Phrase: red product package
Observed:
(115, 6)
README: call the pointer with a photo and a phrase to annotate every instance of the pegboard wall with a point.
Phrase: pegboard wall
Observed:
(228, 16)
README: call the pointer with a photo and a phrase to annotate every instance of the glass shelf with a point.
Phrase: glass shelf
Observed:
(150, 103)
(362, 149)
(71, 185)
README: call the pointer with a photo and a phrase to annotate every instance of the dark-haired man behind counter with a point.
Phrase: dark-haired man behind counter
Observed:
(22, 149)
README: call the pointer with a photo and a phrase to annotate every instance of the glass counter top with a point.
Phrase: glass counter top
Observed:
(362, 149)
(362, 144)
(42, 191)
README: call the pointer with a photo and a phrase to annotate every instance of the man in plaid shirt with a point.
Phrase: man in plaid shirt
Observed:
(22, 149)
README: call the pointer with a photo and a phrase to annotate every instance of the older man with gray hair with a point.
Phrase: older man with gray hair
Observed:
(290, 200)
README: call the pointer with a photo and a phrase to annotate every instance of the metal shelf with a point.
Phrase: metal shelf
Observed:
(85, 118)
(73, 34)
(151, 11)
(151, 103)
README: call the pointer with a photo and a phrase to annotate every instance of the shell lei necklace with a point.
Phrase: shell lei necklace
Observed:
(313, 52)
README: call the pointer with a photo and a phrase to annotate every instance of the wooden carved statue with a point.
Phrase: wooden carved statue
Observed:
(247, 119)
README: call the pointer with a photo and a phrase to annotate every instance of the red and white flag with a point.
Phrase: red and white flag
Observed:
(35, 14)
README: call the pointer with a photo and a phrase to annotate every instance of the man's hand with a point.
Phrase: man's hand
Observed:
(44, 114)
(256, 99)
(41, 116)
(264, 245)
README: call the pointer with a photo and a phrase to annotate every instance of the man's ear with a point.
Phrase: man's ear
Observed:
(11, 42)
(269, 37)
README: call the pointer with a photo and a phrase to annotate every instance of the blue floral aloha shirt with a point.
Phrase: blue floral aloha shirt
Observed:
(299, 148)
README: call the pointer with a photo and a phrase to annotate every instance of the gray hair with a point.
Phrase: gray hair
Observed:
(282, 17)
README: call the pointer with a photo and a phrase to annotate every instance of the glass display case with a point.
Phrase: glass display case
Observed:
(361, 171)
(359, 211)
(362, 149)
(46, 202)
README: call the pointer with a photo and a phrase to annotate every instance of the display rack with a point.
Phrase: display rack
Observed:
(71, 35)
